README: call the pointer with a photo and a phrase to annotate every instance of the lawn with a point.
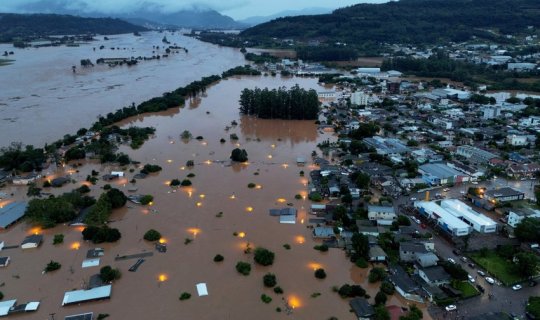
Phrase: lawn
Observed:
(502, 269)
(467, 289)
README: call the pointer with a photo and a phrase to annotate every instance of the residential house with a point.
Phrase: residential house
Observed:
(526, 170)
(404, 285)
(428, 259)
(505, 194)
(516, 140)
(409, 252)
(439, 174)
(474, 154)
(377, 254)
(32, 241)
(323, 232)
(434, 275)
(384, 215)
(515, 216)
(362, 309)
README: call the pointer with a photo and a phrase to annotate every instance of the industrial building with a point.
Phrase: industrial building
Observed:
(439, 173)
(11, 213)
(446, 220)
(478, 221)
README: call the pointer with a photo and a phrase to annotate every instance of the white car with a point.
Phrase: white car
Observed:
(446, 189)
(415, 219)
(516, 287)
(474, 182)
(490, 280)
(451, 260)
(413, 199)
(471, 279)
(450, 307)
(462, 192)
(480, 272)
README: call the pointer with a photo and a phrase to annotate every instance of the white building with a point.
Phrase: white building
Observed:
(383, 215)
(478, 221)
(445, 219)
(521, 66)
(530, 121)
(359, 98)
(515, 216)
(516, 140)
(491, 113)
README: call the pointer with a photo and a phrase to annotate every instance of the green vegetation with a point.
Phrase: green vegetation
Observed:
(278, 290)
(533, 306)
(503, 269)
(218, 258)
(251, 185)
(151, 168)
(296, 103)
(75, 153)
(321, 247)
(413, 314)
(27, 26)
(243, 268)
(261, 58)
(174, 183)
(108, 274)
(467, 289)
(376, 274)
(186, 183)
(54, 210)
(246, 70)
(58, 239)
(528, 230)
(266, 299)
(52, 266)
(387, 287)
(239, 155)
(146, 199)
(455, 270)
(380, 298)
(100, 212)
(26, 159)
(361, 263)
(102, 316)
(152, 235)
(263, 256)
(287, 246)
(320, 273)
(185, 296)
(351, 291)
(101, 234)
(269, 280)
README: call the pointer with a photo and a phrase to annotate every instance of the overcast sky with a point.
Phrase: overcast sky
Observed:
(238, 9)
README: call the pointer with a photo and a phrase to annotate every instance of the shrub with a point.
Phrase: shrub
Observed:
(58, 238)
(361, 263)
(387, 288)
(101, 234)
(239, 155)
(218, 258)
(151, 168)
(380, 298)
(376, 274)
(222, 140)
(322, 247)
(251, 185)
(117, 198)
(265, 298)
(190, 163)
(315, 197)
(108, 274)
(287, 246)
(46, 184)
(107, 187)
(1, 295)
(278, 290)
(269, 280)
(320, 273)
(298, 196)
(191, 175)
(152, 235)
(83, 189)
(243, 268)
(185, 183)
(52, 266)
(174, 183)
(263, 256)
(146, 199)
(102, 316)
(185, 296)
(351, 291)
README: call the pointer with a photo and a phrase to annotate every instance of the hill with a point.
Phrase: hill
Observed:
(407, 22)
(255, 20)
(28, 26)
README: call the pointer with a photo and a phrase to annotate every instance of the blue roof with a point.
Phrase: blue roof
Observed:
(12, 212)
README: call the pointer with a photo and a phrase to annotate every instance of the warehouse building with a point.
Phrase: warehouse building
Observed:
(446, 220)
(439, 173)
(478, 221)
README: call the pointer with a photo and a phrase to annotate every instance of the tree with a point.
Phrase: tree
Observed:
(52, 266)
(380, 298)
(527, 263)
(51, 211)
(533, 306)
(414, 314)
(360, 244)
(362, 181)
(58, 238)
(174, 183)
(243, 268)
(101, 234)
(108, 274)
(218, 258)
(100, 212)
(269, 280)
(455, 270)
(263, 256)
(117, 198)
(376, 274)
(387, 287)
(403, 220)
(239, 155)
(152, 235)
(146, 199)
(528, 230)
(320, 273)
(381, 313)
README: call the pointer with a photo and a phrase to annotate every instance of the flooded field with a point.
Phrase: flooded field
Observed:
(42, 99)
(218, 205)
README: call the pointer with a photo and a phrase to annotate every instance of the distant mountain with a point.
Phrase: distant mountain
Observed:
(407, 22)
(252, 21)
(146, 15)
(27, 26)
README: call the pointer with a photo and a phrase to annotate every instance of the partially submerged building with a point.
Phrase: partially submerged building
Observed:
(94, 294)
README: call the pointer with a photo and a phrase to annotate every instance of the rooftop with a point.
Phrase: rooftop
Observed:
(439, 170)
(11, 213)
(503, 192)
(78, 296)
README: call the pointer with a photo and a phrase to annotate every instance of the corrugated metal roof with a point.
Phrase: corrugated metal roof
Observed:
(11, 213)
(78, 296)
(5, 306)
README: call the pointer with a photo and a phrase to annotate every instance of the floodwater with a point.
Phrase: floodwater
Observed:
(41, 99)
(193, 213)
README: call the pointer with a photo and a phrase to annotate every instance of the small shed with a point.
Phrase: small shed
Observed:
(59, 182)
(202, 290)
(301, 161)
(82, 316)
(287, 219)
(32, 241)
(87, 263)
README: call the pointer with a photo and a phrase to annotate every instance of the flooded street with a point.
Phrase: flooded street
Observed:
(42, 99)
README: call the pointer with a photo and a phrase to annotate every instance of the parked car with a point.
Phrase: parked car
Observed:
(516, 287)
(456, 252)
(464, 259)
(450, 307)
(474, 182)
(532, 283)
(413, 199)
(446, 189)
(415, 219)
(471, 279)
(451, 260)
(482, 273)
(480, 288)
(472, 265)
(490, 280)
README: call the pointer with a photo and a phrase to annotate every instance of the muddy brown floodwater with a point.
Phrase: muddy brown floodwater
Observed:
(193, 213)
(41, 99)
